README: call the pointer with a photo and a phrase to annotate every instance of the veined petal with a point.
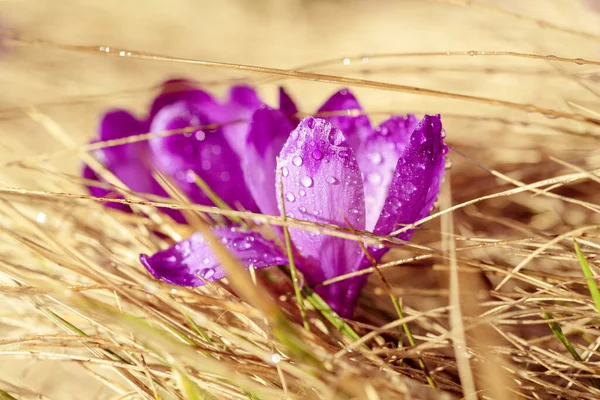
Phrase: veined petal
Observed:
(269, 130)
(354, 127)
(207, 153)
(377, 157)
(243, 101)
(192, 261)
(177, 90)
(322, 183)
(417, 179)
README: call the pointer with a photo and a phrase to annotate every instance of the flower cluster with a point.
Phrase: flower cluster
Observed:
(337, 169)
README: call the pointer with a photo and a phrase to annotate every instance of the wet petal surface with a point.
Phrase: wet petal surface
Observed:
(322, 183)
(192, 261)
(417, 178)
(377, 157)
(206, 152)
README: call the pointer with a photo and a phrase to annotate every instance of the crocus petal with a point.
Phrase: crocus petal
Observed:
(128, 162)
(288, 106)
(192, 261)
(207, 153)
(176, 90)
(417, 178)
(269, 130)
(354, 127)
(120, 124)
(377, 157)
(322, 183)
(243, 101)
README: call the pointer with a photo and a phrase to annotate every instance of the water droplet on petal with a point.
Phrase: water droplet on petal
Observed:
(310, 122)
(303, 209)
(290, 197)
(206, 165)
(306, 181)
(376, 158)
(242, 243)
(200, 135)
(206, 260)
(285, 171)
(297, 161)
(374, 178)
(317, 154)
(343, 154)
(332, 180)
(302, 193)
(208, 273)
(443, 133)
(225, 176)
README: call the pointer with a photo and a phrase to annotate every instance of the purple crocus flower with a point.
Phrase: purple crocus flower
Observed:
(336, 170)
(214, 155)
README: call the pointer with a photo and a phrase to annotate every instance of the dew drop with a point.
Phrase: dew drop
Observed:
(208, 273)
(306, 181)
(343, 154)
(303, 209)
(376, 158)
(408, 188)
(200, 135)
(297, 161)
(206, 165)
(332, 180)
(216, 150)
(448, 163)
(41, 218)
(443, 133)
(374, 178)
(302, 193)
(206, 260)
(225, 176)
(346, 61)
(579, 61)
(275, 358)
(285, 171)
(383, 131)
(242, 243)
(317, 154)
(290, 197)
(310, 123)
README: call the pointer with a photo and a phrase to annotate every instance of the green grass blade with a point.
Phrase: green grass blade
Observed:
(558, 332)
(589, 276)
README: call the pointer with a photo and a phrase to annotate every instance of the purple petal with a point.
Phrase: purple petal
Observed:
(417, 178)
(288, 106)
(377, 157)
(127, 162)
(354, 128)
(192, 261)
(269, 130)
(176, 90)
(119, 124)
(322, 183)
(207, 153)
(243, 101)
(137, 178)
